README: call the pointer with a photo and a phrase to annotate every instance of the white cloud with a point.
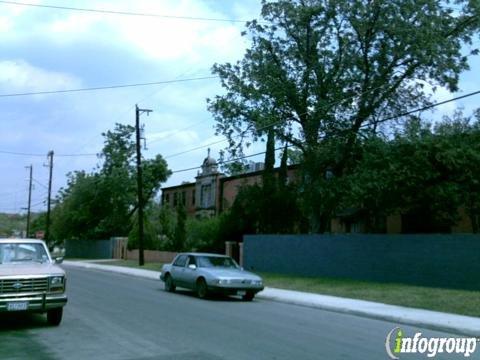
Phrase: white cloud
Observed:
(5, 24)
(18, 75)
(17, 10)
(191, 42)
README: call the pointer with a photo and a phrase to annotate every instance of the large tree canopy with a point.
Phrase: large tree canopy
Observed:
(101, 204)
(323, 70)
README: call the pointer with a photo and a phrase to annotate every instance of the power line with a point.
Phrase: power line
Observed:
(196, 148)
(365, 125)
(42, 202)
(39, 183)
(262, 128)
(346, 131)
(227, 161)
(171, 133)
(425, 108)
(129, 13)
(43, 154)
(124, 113)
(106, 87)
(273, 124)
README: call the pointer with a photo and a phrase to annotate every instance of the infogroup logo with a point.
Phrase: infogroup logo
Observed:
(397, 343)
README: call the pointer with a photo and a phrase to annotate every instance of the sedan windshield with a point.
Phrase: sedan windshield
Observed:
(216, 261)
(22, 252)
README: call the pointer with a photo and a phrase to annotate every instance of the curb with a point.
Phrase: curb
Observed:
(458, 324)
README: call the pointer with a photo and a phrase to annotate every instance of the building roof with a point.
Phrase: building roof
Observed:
(179, 186)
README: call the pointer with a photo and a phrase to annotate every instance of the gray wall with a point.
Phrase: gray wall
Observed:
(89, 249)
(451, 261)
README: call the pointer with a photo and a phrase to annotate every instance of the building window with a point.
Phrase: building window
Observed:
(167, 199)
(184, 198)
(175, 199)
(205, 196)
(193, 197)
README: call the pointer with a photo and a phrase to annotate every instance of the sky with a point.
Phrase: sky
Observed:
(44, 49)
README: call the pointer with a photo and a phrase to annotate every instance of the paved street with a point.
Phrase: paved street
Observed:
(114, 316)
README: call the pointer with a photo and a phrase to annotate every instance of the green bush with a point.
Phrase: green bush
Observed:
(204, 234)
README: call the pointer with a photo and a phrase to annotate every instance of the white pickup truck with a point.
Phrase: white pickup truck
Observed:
(30, 280)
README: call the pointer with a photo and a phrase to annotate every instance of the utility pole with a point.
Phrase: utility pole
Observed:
(138, 112)
(50, 165)
(29, 200)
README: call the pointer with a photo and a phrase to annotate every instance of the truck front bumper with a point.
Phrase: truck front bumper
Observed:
(32, 302)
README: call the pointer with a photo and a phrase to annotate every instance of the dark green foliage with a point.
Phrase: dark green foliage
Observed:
(204, 234)
(283, 172)
(100, 204)
(255, 211)
(180, 235)
(427, 173)
(11, 224)
(38, 223)
(325, 72)
(269, 208)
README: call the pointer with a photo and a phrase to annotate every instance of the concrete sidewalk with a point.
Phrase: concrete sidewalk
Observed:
(462, 325)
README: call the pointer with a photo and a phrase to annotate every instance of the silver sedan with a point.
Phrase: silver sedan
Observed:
(210, 273)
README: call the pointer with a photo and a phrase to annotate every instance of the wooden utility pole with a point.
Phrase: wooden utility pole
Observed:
(29, 200)
(50, 165)
(138, 112)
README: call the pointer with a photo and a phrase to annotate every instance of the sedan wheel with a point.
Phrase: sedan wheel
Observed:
(248, 296)
(169, 285)
(202, 290)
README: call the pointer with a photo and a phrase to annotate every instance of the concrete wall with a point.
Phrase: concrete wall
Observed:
(89, 249)
(451, 261)
(115, 248)
(152, 256)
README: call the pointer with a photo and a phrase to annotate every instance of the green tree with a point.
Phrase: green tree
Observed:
(180, 235)
(325, 72)
(427, 173)
(39, 223)
(166, 220)
(204, 234)
(100, 204)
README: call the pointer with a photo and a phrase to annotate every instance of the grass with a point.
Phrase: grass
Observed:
(462, 302)
(132, 263)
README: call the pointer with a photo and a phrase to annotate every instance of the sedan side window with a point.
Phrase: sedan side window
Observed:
(191, 260)
(181, 261)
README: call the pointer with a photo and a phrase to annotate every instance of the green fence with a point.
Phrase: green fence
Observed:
(451, 261)
(89, 249)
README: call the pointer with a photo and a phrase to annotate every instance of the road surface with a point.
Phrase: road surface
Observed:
(114, 316)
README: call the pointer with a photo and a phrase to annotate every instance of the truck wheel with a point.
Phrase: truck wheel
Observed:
(54, 316)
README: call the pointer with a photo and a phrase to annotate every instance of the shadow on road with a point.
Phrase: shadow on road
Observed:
(22, 321)
(210, 297)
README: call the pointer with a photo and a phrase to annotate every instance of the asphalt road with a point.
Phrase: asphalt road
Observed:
(113, 316)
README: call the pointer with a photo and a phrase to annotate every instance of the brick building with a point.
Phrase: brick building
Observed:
(213, 192)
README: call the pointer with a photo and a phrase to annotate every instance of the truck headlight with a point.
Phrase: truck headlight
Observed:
(57, 282)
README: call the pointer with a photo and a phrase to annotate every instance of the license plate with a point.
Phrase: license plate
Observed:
(241, 292)
(17, 306)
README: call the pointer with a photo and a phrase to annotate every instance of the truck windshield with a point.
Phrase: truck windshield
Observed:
(22, 252)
